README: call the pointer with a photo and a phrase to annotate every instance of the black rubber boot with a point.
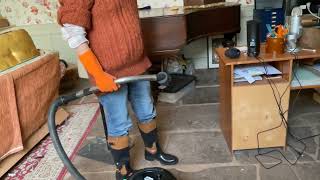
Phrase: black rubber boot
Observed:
(122, 162)
(151, 142)
(163, 158)
(121, 156)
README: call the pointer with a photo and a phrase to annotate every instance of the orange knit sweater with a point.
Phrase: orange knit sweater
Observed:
(114, 33)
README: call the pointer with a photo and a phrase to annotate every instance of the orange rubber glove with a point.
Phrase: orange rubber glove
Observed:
(104, 81)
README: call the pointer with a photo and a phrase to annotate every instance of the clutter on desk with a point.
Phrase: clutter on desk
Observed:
(276, 39)
(242, 49)
(271, 16)
(294, 35)
(252, 73)
(275, 45)
(218, 43)
(242, 79)
(263, 4)
(280, 31)
(253, 38)
(232, 53)
(201, 4)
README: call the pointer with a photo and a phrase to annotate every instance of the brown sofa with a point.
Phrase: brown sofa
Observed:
(29, 82)
(26, 92)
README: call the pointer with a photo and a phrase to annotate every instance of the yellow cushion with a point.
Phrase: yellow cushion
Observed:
(16, 47)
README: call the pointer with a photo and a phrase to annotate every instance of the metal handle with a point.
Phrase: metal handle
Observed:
(162, 78)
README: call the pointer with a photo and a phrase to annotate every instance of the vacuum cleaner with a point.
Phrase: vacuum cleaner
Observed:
(154, 173)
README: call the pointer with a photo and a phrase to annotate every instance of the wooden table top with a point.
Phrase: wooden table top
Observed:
(266, 57)
(181, 10)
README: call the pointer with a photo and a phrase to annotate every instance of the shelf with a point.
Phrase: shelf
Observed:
(244, 59)
(261, 82)
(307, 77)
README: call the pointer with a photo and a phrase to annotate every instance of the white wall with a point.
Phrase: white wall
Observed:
(246, 15)
(48, 36)
(198, 53)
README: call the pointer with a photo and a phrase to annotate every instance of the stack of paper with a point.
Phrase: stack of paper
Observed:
(252, 73)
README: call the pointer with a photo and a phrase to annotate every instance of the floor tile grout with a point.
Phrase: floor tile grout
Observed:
(184, 131)
(187, 166)
(200, 104)
(207, 86)
(258, 172)
(295, 172)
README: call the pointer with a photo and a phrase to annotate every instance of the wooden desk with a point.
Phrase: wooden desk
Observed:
(247, 109)
(166, 31)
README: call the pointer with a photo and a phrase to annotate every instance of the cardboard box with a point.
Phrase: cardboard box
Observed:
(61, 116)
(4, 23)
(316, 97)
(70, 79)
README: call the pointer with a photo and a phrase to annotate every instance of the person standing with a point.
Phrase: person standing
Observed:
(107, 38)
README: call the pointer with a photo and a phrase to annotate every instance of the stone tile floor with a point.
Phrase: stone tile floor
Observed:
(190, 129)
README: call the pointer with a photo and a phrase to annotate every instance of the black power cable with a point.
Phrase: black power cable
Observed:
(284, 121)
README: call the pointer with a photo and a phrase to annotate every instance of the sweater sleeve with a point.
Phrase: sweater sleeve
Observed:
(77, 12)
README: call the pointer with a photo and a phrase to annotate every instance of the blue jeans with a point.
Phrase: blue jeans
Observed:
(115, 106)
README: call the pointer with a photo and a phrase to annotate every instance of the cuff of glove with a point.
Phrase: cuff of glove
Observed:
(76, 41)
(74, 35)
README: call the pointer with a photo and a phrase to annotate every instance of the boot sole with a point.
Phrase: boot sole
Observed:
(153, 159)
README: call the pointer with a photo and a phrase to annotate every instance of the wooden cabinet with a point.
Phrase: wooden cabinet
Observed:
(249, 111)
(249, 114)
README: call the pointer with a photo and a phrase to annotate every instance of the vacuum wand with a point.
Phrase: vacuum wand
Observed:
(162, 78)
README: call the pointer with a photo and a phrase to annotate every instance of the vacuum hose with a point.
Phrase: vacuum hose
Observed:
(162, 78)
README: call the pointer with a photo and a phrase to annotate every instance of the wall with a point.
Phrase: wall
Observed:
(26, 12)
